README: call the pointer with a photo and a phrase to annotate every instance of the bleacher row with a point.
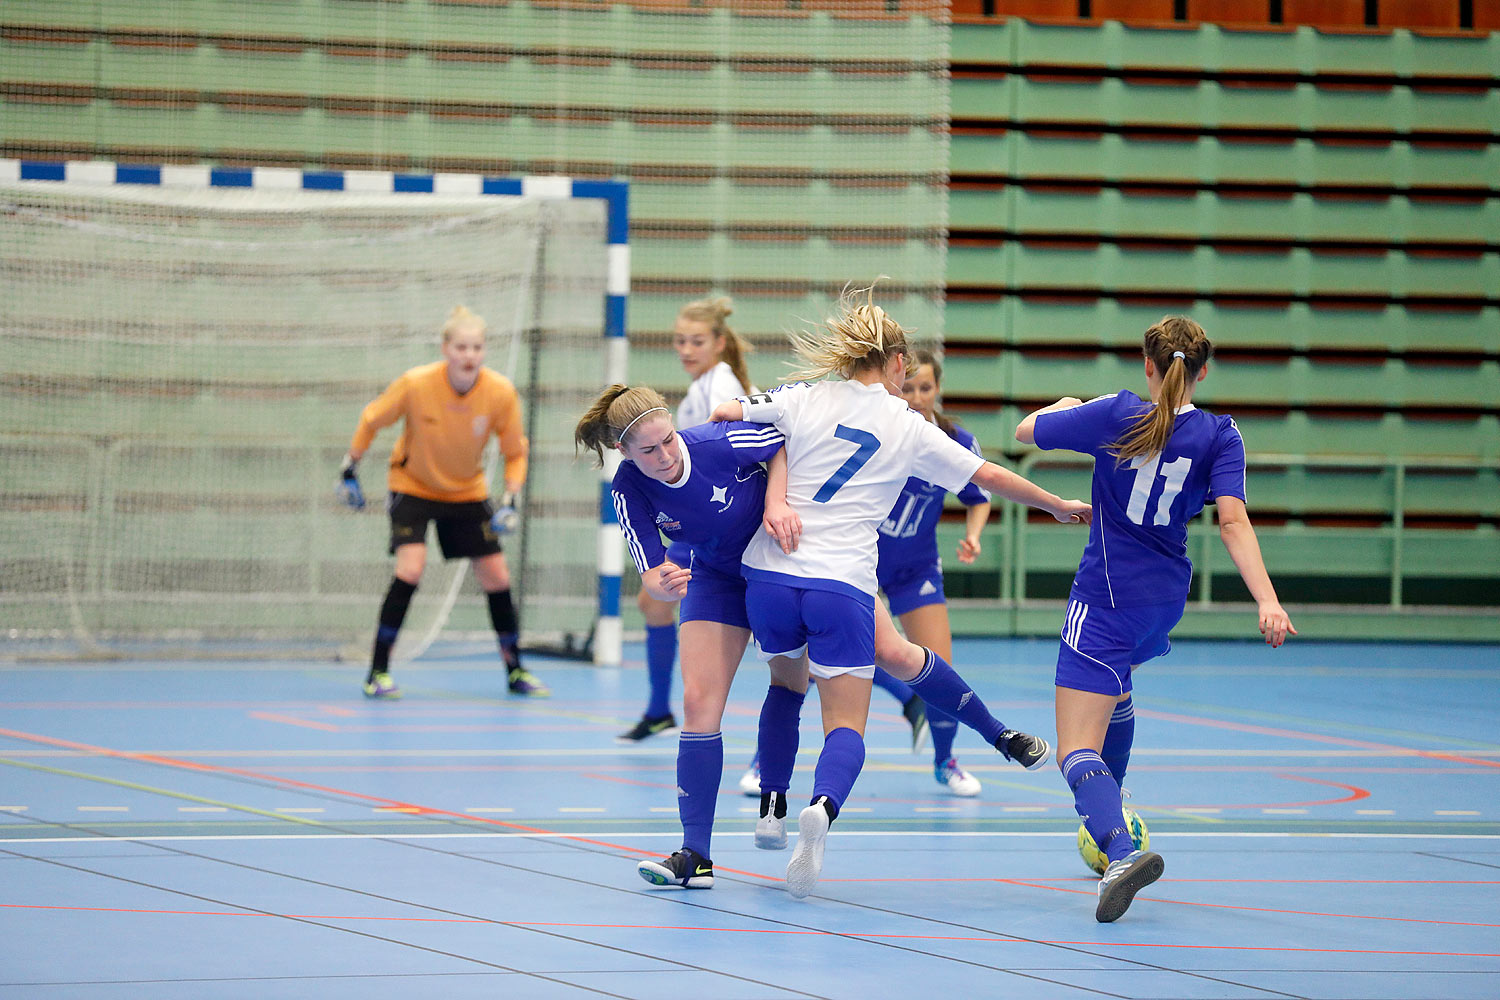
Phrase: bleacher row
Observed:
(1333, 15)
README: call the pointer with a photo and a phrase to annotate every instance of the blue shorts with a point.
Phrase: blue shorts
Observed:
(837, 630)
(680, 554)
(1100, 645)
(913, 587)
(714, 596)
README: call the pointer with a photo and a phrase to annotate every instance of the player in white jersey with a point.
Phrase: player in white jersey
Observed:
(1156, 463)
(851, 446)
(714, 355)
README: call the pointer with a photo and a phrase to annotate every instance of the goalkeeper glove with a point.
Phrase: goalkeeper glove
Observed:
(348, 488)
(505, 519)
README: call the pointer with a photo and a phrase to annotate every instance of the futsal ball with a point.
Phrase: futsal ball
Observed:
(1097, 859)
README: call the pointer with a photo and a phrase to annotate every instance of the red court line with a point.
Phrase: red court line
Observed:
(780, 931)
(292, 720)
(1243, 727)
(394, 804)
(1091, 893)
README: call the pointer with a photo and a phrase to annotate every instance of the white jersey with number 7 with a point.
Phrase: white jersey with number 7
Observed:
(850, 449)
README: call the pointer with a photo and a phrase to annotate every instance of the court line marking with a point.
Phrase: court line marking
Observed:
(650, 834)
(788, 932)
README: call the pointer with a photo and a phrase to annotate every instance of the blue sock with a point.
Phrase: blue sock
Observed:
(776, 749)
(942, 688)
(838, 765)
(1096, 797)
(1118, 739)
(943, 728)
(661, 654)
(892, 687)
(700, 766)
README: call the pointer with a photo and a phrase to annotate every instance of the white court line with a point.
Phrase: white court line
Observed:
(104, 809)
(13, 809)
(658, 834)
(1371, 812)
(1455, 812)
(586, 809)
(202, 809)
(493, 809)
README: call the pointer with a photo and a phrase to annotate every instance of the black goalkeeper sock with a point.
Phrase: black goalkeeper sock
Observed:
(503, 617)
(392, 614)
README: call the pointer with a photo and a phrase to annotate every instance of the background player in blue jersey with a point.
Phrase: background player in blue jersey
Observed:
(704, 489)
(911, 573)
(715, 358)
(1155, 465)
(851, 446)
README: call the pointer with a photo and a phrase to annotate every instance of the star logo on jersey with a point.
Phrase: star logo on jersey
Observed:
(721, 495)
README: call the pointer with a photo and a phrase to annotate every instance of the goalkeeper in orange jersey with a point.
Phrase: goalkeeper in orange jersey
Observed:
(450, 408)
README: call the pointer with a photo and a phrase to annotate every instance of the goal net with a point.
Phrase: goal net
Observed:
(181, 373)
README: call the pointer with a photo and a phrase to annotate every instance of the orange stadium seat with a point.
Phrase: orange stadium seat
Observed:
(1231, 12)
(1138, 11)
(1324, 13)
(1049, 9)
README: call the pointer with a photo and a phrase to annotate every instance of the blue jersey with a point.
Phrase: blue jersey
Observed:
(716, 504)
(1137, 548)
(908, 535)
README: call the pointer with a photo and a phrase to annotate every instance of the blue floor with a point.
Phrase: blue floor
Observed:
(1329, 815)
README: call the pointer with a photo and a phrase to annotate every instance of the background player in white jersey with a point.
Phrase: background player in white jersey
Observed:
(715, 358)
(704, 489)
(851, 446)
(1155, 465)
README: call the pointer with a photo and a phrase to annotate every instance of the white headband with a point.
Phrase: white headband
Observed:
(633, 422)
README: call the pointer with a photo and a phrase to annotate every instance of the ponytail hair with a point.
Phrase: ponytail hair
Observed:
(612, 413)
(1179, 349)
(926, 356)
(859, 337)
(715, 312)
(462, 317)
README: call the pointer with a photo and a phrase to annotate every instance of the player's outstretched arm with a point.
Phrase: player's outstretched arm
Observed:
(1238, 535)
(1022, 490)
(666, 581)
(349, 490)
(506, 518)
(975, 518)
(1026, 431)
(780, 521)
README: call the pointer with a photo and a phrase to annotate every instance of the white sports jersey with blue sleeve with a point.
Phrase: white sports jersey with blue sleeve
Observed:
(1137, 548)
(716, 504)
(850, 449)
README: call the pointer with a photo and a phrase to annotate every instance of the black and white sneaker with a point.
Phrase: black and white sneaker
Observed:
(1122, 880)
(1031, 752)
(916, 716)
(685, 869)
(770, 829)
(648, 726)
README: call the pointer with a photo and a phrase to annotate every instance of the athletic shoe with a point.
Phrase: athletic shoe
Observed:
(959, 781)
(916, 716)
(750, 780)
(524, 682)
(1031, 752)
(685, 869)
(770, 829)
(381, 685)
(648, 726)
(1123, 879)
(807, 860)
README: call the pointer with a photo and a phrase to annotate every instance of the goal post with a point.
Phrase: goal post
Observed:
(186, 353)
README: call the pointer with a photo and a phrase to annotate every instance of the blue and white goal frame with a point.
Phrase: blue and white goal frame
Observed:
(608, 630)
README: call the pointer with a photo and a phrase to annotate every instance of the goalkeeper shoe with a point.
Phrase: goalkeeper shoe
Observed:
(1122, 880)
(524, 682)
(685, 869)
(380, 685)
(956, 779)
(648, 726)
(1031, 752)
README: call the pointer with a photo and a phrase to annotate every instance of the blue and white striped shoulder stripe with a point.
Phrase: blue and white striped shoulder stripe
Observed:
(632, 540)
(763, 436)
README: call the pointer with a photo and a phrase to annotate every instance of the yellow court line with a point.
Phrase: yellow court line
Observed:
(160, 791)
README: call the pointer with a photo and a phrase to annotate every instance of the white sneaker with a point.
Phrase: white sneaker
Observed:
(750, 782)
(959, 781)
(770, 829)
(807, 860)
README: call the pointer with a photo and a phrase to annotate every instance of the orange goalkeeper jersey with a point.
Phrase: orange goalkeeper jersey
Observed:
(438, 456)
